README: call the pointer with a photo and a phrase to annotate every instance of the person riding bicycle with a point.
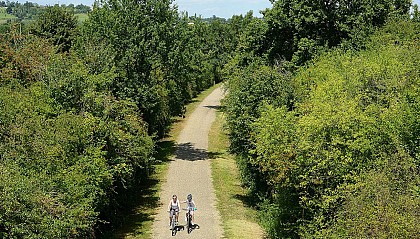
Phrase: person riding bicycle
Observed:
(190, 207)
(173, 207)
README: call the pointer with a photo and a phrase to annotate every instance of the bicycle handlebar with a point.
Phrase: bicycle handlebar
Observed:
(186, 209)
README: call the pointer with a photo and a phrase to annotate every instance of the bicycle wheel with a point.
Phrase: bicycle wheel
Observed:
(189, 224)
(173, 226)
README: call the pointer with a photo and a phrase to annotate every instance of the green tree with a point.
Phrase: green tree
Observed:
(82, 8)
(416, 13)
(348, 120)
(68, 145)
(164, 61)
(57, 25)
(138, 56)
(302, 25)
(380, 205)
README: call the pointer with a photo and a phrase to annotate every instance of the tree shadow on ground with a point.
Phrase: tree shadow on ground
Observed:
(214, 155)
(165, 149)
(247, 199)
(132, 216)
(175, 121)
(219, 108)
(216, 107)
(135, 205)
(187, 151)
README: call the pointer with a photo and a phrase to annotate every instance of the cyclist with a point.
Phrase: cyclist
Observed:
(190, 207)
(173, 207)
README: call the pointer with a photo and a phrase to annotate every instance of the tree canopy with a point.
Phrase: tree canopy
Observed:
(83, 105)
(322, 111)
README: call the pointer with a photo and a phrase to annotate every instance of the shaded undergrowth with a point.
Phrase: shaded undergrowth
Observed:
(134, 216)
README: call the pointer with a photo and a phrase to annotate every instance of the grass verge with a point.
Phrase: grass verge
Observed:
(137, 218)
(239, 219)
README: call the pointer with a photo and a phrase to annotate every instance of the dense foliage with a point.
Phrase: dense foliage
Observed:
(57, 25)
(344, 151)
(298, 28)
(162, 63)
(81, 107)
(322, 111)
(331, 145)
(65, 143)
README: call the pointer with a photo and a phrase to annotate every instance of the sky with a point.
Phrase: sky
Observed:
(222, 8)
(226, 8)
(205, 8)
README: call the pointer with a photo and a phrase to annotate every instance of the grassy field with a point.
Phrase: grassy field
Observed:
(138, 219)
(81, 17)
(4, 16)
(238, 217)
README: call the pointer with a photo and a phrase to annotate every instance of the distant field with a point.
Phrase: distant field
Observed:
(81, 17)
(4, 16)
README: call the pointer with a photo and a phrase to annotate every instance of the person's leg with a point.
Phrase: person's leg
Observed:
(170, 218)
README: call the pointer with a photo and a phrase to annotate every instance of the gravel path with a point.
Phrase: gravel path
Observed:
(190, 172)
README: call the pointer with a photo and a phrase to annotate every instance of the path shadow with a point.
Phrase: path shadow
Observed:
(165, 149)
(248, 200)
(188, 152)
(177, 229)
(216, 107)
(214, 155)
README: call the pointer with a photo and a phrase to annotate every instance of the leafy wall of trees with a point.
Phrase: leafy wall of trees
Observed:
(162, 60)
(66, 142)
(83, 105)
(298, 28)
(322, 114)
(329, 145)
(346, 154)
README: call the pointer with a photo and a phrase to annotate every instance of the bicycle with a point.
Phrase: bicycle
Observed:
(174, 228)
(189, 225)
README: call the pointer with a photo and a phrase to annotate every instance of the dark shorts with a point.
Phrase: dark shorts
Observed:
(171, 213)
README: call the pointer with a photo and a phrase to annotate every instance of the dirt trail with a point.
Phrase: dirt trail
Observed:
(190, 172)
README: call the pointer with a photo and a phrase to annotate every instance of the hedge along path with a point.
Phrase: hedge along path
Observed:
(190, 172)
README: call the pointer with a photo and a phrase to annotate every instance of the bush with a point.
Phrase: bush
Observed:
(58, 25)
(67, 145)
(349, 131)
(381, 204)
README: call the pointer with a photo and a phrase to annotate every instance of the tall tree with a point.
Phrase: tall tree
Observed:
(297, 27)
(57, 25)
(138, 36)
